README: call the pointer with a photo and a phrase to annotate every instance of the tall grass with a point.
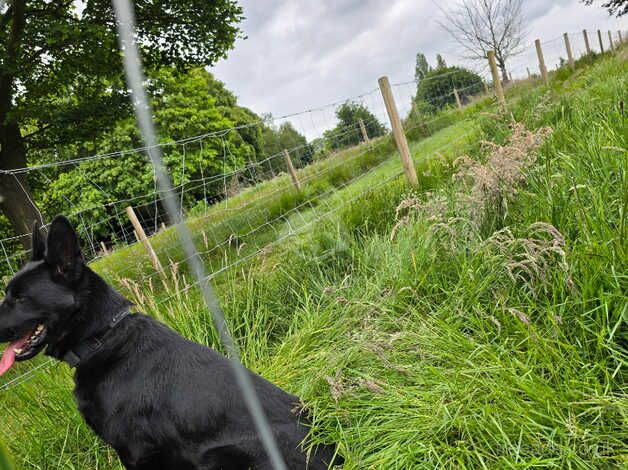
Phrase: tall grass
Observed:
(420, 331)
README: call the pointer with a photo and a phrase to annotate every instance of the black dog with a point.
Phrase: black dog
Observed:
(161, 401)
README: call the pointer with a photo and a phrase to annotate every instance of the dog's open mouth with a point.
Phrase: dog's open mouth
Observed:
(24, 348)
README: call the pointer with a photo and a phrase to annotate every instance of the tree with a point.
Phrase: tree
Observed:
(285, 136)
(347, 132)
(480, 26)
(614, 7)
(61, 78)
(422, 67)
(436, 90)
(440, 62)
(184, 105)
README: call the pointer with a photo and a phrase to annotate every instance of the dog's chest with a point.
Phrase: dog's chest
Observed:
(102, 407)
(92, 407)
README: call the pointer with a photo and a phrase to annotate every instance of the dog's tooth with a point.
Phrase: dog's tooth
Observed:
(18, 351)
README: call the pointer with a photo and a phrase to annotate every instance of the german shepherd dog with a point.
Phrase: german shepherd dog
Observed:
(161, 401)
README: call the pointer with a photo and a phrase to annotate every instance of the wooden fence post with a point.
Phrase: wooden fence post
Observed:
(141, 237)
(397, 128)
(529, 74)
(610, 41)
(497, 84)
(586, 41)
(457, 98)
(572, 63)
(365, 135)
(621, 39)
(291, 170)
(542, 67)
(104, 249)
(599, 36)
(486, 90)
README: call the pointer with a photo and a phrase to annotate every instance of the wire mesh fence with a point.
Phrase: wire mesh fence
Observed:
(230, 192)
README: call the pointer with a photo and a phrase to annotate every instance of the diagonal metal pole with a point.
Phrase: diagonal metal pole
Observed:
(135, 78)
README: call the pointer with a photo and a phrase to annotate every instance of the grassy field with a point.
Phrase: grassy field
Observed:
(475, 322)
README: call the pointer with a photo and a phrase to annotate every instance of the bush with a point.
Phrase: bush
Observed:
(436, 90)
(347, 133)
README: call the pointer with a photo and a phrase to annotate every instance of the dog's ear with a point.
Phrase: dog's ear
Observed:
(37, 242)
(63, 252)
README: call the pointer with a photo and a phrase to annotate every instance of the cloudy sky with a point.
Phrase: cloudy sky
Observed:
(301, 54)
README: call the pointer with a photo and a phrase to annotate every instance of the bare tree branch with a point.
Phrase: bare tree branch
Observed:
(479, 26)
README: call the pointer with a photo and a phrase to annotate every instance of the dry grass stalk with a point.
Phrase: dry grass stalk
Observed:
(371, 386)
(431, 209)
(491, 185)
(529, 260)
(497, 180)
(378, 350)
(336, 386)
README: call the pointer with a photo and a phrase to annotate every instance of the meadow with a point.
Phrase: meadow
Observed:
(475, 321)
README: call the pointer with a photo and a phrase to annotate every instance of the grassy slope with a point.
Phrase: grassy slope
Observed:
(407, 351)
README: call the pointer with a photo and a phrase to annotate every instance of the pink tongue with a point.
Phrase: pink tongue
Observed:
(8, 357)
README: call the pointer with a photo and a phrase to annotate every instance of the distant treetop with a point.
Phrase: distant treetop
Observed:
(614, 7)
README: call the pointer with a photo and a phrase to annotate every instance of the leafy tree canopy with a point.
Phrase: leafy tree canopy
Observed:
(435, 91)
(66, 61)
(440, 62)
(61, 77)
(185, 105)
(347, 132)
(422, 67)
(285, 136)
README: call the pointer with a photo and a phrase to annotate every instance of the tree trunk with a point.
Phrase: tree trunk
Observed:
(15, 193)
(15, 198)
(501, 63)
(505, 77)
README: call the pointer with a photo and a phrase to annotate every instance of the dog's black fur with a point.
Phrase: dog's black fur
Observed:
(161, 401)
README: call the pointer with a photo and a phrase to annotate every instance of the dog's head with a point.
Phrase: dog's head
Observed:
(43, 296)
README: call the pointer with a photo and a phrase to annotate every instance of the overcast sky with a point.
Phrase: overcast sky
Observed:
(302, 54)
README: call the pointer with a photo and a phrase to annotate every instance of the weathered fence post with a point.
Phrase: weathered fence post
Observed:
(586, 41)
(104, 249)
(458, 102)
(397, 128)
(610, 41)
(619, 36)
(542, 67)
(485, 86)
(572, 63)
(291, 170)
(529, 74)
(365, 135)
(141, 237)
(599, 36)
(497, 84)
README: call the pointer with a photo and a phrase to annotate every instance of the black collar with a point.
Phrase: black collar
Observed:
(92, 344)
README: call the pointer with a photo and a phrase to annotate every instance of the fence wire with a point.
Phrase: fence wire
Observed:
(215, 191)
(135, 80)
